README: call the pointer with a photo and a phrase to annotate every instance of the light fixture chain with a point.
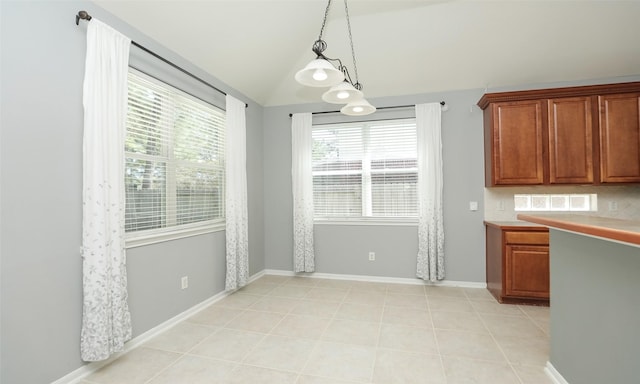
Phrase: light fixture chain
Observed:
(324, 21)
(353, 52)
(322, 72)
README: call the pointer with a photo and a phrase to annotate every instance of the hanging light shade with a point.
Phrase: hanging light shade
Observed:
(342, 93)
(358, 108)
(319, 73)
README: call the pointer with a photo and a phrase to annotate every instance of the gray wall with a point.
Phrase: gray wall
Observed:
(41, 199)
(595, 309)
(42, 68)
(344, 249)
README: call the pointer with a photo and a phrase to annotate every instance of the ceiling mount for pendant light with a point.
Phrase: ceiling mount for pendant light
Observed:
(321, 72)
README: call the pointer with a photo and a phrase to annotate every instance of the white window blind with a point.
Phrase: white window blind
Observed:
(365, 169)
(174, 158)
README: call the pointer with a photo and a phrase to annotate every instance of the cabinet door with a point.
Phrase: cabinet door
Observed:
(527, 271)
(570, 140)
(620, 138)
(517, 154)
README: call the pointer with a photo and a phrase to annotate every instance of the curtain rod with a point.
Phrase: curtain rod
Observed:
(83, 15)
(377, 109)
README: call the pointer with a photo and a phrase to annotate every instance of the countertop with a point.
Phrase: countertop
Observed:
(627, 231)
(516, 224)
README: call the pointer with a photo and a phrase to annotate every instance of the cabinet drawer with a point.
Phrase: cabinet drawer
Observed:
(541, 238)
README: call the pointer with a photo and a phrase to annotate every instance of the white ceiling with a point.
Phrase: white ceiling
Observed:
(402, 47)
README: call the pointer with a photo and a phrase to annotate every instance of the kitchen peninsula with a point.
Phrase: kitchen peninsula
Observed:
(595, 298)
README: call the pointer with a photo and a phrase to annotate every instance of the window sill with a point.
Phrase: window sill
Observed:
(138, 240)
(367, 221)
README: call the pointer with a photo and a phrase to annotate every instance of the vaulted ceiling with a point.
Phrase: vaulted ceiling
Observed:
(402, 47)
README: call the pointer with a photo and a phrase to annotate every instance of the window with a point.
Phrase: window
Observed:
(174, 159)
(365, 170)
(559, 202)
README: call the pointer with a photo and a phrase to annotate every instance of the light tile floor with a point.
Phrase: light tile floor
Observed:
(295, 330)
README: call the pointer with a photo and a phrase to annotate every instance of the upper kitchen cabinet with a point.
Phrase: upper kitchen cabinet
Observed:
(574, 135)
(570, 128)
(515, 138)
(620, 138)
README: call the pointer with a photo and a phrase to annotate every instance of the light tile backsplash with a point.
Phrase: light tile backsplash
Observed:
(499, 204)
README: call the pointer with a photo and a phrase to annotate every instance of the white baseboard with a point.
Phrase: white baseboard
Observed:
(89, 368)
(377, 279)
(553, 374)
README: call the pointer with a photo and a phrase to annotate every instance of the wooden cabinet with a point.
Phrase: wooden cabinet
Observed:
(518, 263)
(570, 129)
(576, 135)
(515, 131)
(526, 271)
(620, 138)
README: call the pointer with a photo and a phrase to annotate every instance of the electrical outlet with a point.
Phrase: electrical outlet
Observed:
(613, 205)
(372, 256)
(500, 205)
(184, 282)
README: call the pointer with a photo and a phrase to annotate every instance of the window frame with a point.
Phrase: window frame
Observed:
(176, 231)
(369, 220)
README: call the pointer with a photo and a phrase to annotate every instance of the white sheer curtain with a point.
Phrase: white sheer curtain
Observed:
(430, 185)
(236, 195)
(302, 183)
(106, 322)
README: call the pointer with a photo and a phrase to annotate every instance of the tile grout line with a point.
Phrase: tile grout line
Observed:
(319, 340)
(265, 335)
(545, 331)
(181, 355)
(243, 310)
(435, 338)
(504, 354)
(377, 345)
(188, 351)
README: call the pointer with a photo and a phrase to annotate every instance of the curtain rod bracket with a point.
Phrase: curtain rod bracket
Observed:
(82, 15)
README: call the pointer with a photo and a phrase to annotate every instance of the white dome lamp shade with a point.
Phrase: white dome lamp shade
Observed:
(358, 108)
(319, 73)
(342, 93)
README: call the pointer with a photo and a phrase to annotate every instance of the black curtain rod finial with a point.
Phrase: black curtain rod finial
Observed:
(82, 15)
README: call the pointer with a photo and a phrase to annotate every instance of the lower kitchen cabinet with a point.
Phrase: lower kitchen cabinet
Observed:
(517, 262)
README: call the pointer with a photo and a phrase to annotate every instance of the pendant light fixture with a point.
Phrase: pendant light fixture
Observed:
(321, 72)
(358, 108)
(342, 93)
